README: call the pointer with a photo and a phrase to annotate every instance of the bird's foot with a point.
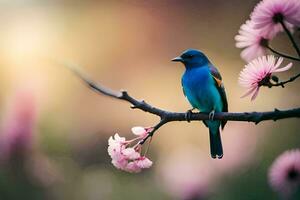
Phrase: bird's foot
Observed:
(188, 114)
(211, 115)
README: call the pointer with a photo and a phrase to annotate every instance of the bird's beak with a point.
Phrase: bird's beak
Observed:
(177, 59)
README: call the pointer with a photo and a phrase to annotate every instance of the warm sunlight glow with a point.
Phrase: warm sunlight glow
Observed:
(24, 39)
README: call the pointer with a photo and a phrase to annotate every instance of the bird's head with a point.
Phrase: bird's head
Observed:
(192, 58)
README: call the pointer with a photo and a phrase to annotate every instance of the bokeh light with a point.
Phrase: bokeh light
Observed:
(128, 45)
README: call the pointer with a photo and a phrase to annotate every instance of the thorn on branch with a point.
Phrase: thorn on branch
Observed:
(257, 117)
(124, 93)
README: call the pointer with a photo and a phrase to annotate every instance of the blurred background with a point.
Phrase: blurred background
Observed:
(128, 44)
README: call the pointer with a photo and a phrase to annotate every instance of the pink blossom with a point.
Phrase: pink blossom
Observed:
(132, 167)
(141, 131)
(258, 72)
(268, 13)
(139, 164)
(128, 158)
(144, 162)
(16, 136)
(138, 130)
(115, 146)
(284, 174)
(131, 154)
(187, 174)
(252, 41)
(120, 163)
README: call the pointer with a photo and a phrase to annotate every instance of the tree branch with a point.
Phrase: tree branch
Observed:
(122, 95)
(282, 83)
(255, 117)
(281, 54)
(167, 116)
(290, 37)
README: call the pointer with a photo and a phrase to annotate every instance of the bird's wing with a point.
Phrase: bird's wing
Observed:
(218, 80)
(183, 88)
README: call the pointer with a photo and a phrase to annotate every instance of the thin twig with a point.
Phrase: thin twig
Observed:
(156, 127)
(290, 37)
(282, 54)
(282, 83)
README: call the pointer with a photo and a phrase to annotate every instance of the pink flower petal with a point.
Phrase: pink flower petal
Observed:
(281, 173)
(127, 158)
(257, 70)
(264, 12)
(139, 131)
(284, 68)
(250, 39)
(255, 94)
(131, 154)
(249, 92)
(133, 167)
(144, 162)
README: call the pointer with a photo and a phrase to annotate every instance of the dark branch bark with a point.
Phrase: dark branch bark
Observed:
(122, 95)
(167, 116)
(290, 37)
(282, 83)
(255, 117)
(281, 54)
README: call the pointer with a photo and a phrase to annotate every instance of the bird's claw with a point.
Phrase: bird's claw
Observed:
(211, 115)
(188, 115)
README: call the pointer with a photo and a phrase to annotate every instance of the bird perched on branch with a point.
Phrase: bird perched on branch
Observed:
(202, 85)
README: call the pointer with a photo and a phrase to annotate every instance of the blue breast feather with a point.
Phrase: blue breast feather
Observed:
(200, 89)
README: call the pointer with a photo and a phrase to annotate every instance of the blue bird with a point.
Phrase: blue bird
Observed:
(202, 85)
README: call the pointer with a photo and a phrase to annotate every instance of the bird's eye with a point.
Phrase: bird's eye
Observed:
(190, 56)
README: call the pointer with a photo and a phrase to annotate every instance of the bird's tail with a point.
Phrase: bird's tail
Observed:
(216, 149)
